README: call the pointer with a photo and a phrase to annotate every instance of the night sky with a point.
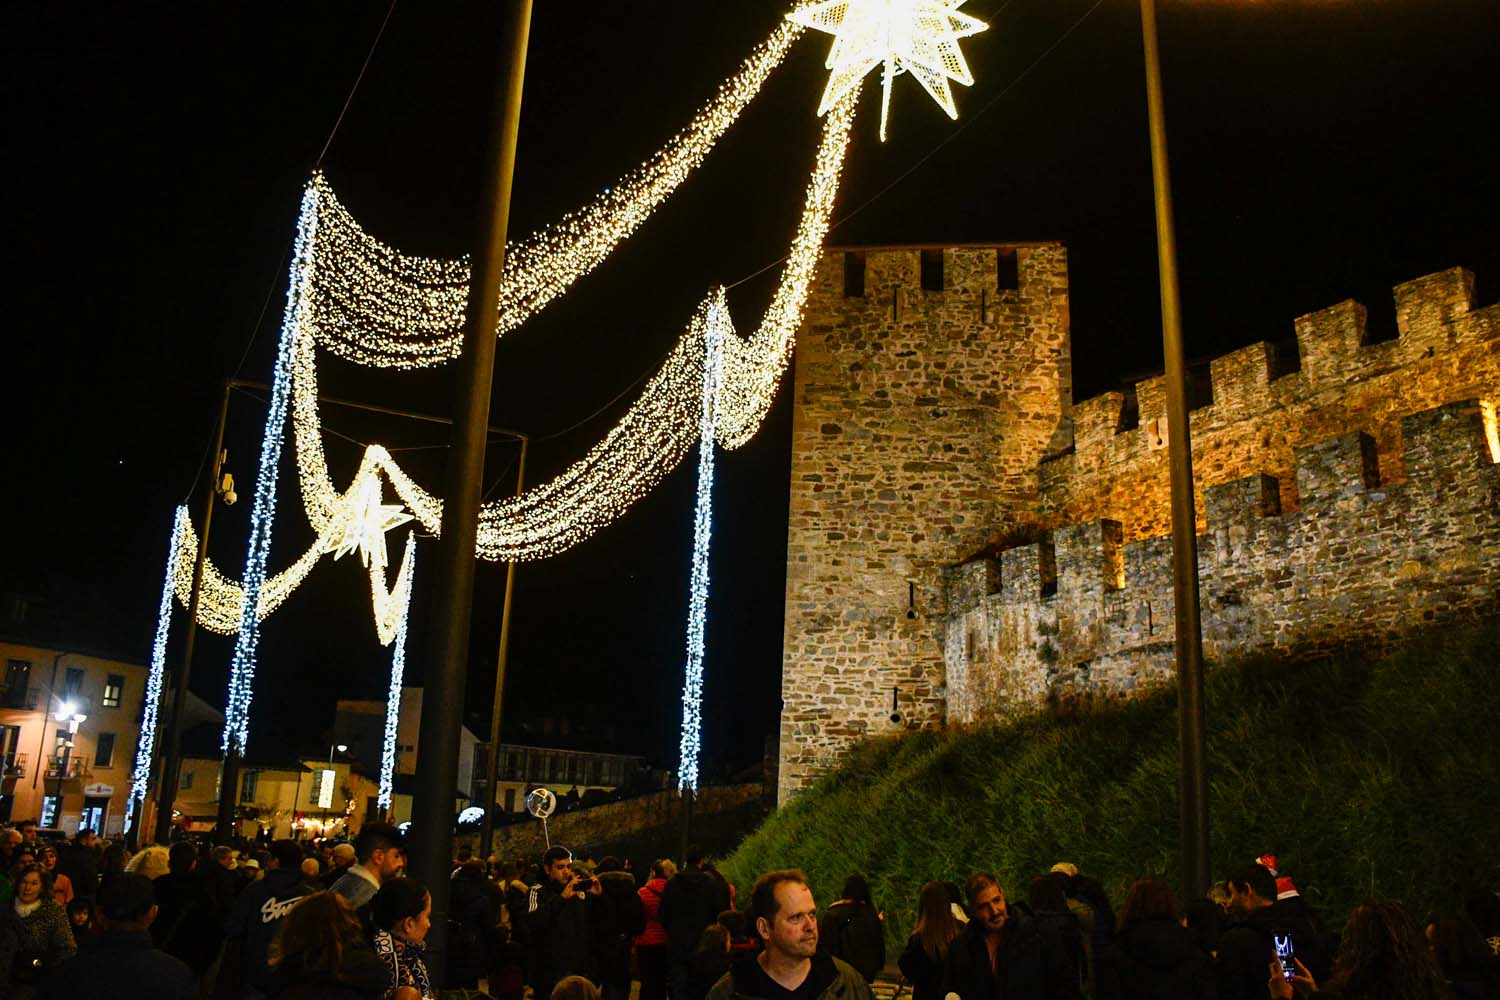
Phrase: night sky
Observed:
(1320, 151)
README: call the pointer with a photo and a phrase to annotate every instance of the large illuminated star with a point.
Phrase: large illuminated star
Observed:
(919, 37)
(365, 523)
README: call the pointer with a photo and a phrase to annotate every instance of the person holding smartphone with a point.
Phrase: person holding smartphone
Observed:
(559, 922)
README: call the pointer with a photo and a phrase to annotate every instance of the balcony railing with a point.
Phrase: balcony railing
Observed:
(13, 765)
(19, 696)
(77, 767)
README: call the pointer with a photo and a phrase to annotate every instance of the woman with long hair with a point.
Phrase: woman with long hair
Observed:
(402, 914)
(34, 935)
(851, 929)
(1153, 957)
(320, 953)
(927, 948)
(1382, 956)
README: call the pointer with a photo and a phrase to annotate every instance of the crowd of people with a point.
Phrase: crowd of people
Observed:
(342, 921)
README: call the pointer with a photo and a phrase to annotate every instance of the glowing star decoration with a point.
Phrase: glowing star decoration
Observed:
(919, 37)
(366, 522)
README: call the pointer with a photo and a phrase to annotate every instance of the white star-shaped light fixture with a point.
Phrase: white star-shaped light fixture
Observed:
(919, 37)
(366, 520)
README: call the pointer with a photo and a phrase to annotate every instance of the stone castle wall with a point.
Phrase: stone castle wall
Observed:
(933, 433)
(1363, 559)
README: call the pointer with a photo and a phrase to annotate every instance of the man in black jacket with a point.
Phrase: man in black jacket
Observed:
(559, 921)
(1002, 954)
(790, 965)
(1247, 946)
(258, 913)
(692, 900)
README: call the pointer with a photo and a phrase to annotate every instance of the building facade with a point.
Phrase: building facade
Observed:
(69, 729)
(564, 772)
(360, 725)
(966, 542)
(277, 800)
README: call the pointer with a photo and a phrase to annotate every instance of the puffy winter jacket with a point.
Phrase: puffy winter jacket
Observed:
(650, 893)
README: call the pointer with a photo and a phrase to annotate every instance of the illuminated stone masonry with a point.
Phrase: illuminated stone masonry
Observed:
(1348, 491)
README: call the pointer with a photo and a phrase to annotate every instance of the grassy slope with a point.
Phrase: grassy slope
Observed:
(1366, 778)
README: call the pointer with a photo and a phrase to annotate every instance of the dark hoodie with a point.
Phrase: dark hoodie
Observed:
(258, 913)
(1155, 960)
(1246, 948)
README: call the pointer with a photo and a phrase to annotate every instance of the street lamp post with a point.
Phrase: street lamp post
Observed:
(171, 768)
(68, 713)
(487, 828)
(1191, 732)
(443, 695)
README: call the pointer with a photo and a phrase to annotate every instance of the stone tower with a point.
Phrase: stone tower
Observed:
(930, 383)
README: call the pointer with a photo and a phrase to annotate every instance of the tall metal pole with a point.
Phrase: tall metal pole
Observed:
(487, 830)
(443, 685)
(1192, 741)
(166, 791)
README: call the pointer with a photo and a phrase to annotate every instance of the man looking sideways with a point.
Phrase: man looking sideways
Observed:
(1002, 955)
(381, 850)
(789, 967)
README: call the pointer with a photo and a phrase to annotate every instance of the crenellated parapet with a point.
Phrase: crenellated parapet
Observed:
(1363, 560)
(1260, 403)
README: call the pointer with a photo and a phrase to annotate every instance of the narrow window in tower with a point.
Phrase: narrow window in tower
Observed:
(932, 270)
(1200, 386)
(854, 274)
(1007, 273)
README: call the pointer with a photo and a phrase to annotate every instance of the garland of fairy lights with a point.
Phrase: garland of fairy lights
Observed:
(263, 513)
(393, 697)
(692, 685)
(649, 441)
(146, 748)
(378, 306)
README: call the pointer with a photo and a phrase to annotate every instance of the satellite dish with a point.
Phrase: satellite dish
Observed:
(541, 803)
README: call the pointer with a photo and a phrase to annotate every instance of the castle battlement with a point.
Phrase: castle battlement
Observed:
(965, 539)
(1081, 612)
(1446, 447)
(1266, 400)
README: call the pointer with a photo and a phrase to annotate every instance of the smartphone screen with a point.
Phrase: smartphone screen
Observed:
(1285, 954)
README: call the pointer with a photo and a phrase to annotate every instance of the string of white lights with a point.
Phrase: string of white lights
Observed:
(692, 685)
(648, 442)
(652, 437)
(393, 697)
(378, 306)
(145, 749)
(263, 512)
